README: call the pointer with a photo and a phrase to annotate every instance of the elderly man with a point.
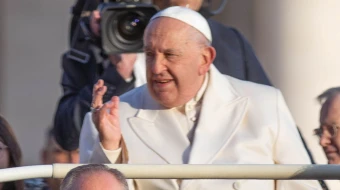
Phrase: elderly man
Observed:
(329, 124)
(94, 177)
(235, 57)
(329, 137)
(189, 113)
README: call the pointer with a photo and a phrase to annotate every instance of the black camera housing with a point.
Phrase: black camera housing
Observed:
(123, 25)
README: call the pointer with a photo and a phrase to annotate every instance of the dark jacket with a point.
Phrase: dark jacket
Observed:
(235, 57)
(77, 82)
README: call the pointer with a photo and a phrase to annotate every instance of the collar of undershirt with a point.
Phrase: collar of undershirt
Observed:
(197, 99)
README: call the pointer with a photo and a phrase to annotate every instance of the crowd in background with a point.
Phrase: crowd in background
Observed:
(120, 74)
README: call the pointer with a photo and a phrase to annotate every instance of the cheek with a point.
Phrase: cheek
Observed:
(4, 160)
(337, 143)
(334, 159)
(148, 73)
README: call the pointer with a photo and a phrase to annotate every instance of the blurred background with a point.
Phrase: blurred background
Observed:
(297, 42)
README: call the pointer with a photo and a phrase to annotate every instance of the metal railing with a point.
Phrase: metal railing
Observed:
(283, 172)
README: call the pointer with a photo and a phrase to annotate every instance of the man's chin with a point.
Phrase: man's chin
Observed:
(166, 103)
(334, 160)
(164, 98)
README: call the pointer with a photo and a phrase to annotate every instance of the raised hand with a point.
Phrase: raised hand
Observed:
(106, 117)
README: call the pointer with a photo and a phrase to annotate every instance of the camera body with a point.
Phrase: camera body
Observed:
(123, 24)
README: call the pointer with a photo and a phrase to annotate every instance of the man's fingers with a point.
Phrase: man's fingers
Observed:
(101, 91)
(114, 106)
(97, 99)
(98, 92)
(99, 83)
(115, 100)
(103, 110)
(96, 86)
(113, 116)
(114, 111)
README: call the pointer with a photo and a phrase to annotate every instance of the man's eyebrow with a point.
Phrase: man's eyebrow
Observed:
(175, 51)
(170, 50)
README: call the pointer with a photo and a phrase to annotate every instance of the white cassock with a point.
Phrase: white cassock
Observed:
(239, 122)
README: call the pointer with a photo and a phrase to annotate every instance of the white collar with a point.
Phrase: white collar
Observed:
(198, 97)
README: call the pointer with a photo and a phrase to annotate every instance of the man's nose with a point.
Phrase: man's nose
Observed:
(325, 140)
(158, 66)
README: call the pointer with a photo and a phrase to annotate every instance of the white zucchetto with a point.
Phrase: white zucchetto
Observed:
(187, 16)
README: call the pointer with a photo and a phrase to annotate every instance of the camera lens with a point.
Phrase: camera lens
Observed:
(131, 26)
(123, 26)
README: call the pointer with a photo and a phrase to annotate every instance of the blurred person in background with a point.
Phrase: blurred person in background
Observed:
(78, 77)
(10, 154)
(328, 132)
(121, 73)
(94, 177)
(52, 153)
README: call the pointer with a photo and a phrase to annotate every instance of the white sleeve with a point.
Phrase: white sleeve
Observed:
(90, 148)
(88, 137)
(289, 148)
(101, 155)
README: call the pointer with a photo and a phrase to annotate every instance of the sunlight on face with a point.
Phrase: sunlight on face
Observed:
(175, 62)
(330, 140)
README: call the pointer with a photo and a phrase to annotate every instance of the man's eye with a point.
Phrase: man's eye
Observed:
(170, 55)
(149, 54)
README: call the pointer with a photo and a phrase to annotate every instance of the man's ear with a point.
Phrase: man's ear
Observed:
(209, 54)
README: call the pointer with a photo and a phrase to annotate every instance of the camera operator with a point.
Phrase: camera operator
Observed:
(121, 73)
(235, 57)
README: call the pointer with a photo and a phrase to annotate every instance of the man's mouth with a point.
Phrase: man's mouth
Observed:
(163, 81)
(331, 150)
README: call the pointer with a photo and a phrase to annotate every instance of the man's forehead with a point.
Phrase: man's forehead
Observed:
(331, 109)
(334, 103)
(167, 29)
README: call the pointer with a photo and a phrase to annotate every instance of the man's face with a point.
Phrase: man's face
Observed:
(176, 64)
(329, 123)
(192, 4)
(53, 153)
